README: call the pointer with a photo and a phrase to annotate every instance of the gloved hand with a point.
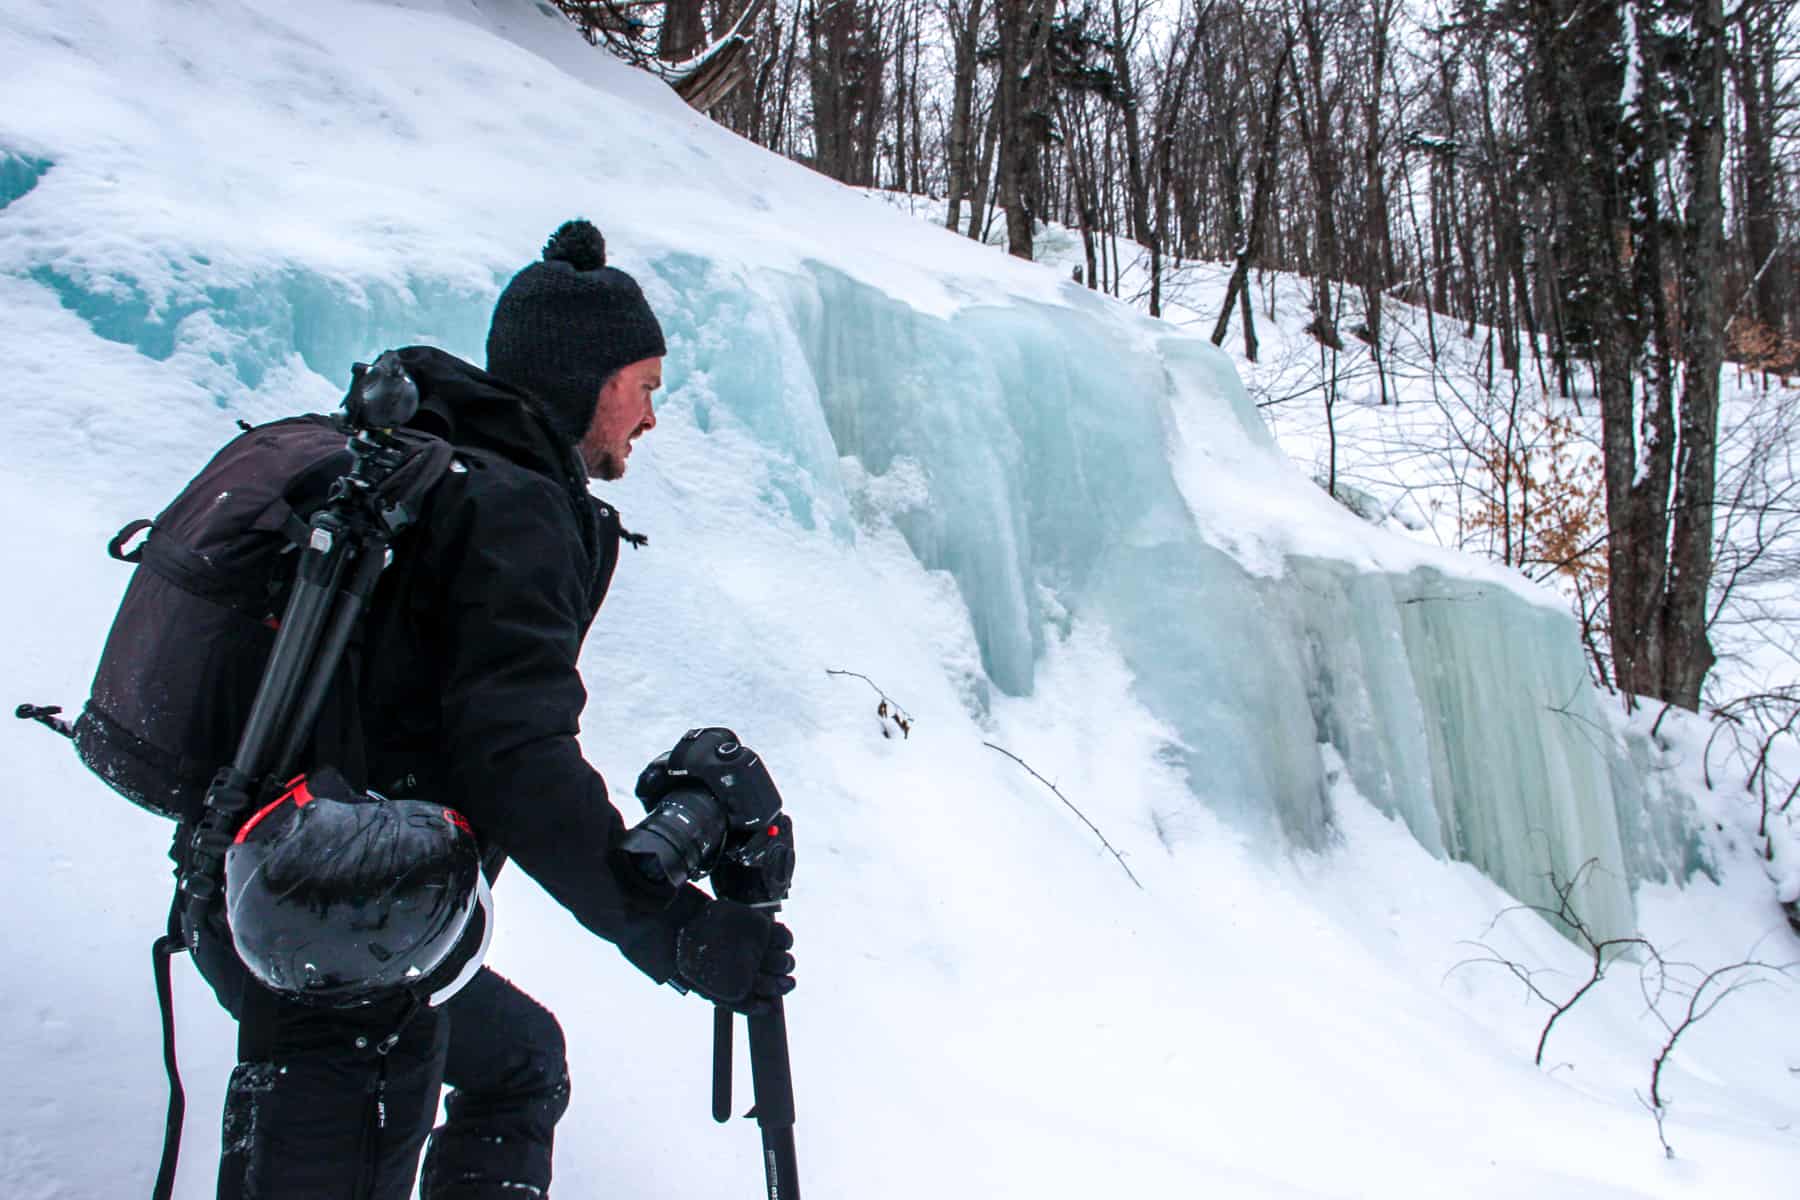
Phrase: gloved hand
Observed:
(735, 955)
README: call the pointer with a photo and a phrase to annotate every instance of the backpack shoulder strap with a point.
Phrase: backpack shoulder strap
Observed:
(403, 493)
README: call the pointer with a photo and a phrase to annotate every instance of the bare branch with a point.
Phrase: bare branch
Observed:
(888, 710)
(1071, 807)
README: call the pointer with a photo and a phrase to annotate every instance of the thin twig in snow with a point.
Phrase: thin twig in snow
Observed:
(1072, 808)
(888, 710)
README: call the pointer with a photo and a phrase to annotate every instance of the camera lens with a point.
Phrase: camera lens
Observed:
(678, 841)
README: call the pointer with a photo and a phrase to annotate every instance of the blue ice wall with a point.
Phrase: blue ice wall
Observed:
(1042, 438)
(733, 357)
(19, 173)
(248, 328)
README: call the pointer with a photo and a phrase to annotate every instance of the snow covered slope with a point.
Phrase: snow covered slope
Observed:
(1034, 518)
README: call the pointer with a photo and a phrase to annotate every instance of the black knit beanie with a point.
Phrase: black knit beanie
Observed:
(564, 324)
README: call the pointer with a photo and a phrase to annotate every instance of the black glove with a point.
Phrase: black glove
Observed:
(735, 955)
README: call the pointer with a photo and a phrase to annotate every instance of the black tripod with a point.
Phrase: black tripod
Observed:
(347, 549)
(772, 1080)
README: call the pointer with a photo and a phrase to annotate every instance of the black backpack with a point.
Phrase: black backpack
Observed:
(187, 650)
(179, 676)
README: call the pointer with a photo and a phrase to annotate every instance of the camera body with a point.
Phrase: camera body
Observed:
(712, 810)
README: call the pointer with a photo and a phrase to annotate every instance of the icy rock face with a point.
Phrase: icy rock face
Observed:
(1459, 708)
(733, 355)
(245, 328)
(1520, 775)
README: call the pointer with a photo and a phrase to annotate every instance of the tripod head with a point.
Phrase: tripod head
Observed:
(382, 395)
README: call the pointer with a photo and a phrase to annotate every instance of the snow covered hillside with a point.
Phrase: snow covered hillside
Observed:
(1037, 520)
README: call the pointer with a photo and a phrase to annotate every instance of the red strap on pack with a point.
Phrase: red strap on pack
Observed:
(297, 791)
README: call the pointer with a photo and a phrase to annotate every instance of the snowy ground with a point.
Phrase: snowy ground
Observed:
(988, 1006)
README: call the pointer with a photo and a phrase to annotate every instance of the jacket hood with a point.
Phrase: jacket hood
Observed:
(466, 406)
(470, 408)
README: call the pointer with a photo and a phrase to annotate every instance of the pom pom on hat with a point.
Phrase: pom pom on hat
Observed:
(577, 243)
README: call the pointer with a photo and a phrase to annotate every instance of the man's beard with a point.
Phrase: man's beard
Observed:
(606, 465)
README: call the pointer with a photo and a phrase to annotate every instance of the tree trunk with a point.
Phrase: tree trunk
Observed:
(869, 94)
(1374, 255)
(1080, 177)
(1315, 105)
(780, 140)
(827, 52)
(683, 30)
(1168, 105)
(1753, 76)
(1024, 28)
(1605, 161)
(1137, 190)
(1251, 249)
(984, 173)
(902, 36)
(1010, 18)
(1689, 654)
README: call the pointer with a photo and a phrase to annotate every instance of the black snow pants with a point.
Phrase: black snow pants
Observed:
(317, 1109)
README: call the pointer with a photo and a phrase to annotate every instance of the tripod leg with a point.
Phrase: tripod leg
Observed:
(772, 1076)
(722, 1019)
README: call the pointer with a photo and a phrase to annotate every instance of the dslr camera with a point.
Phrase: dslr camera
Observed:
(712, 810)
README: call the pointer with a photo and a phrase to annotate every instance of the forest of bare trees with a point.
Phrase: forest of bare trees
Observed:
(1606, 189)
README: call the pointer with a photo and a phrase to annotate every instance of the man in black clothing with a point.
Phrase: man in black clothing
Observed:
(468, 692)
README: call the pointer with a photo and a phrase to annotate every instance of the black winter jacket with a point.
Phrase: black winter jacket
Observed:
(468, 684)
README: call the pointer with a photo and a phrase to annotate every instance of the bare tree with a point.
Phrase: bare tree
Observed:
(1184, 53)
(1127, 20)
(1318, 94)
(965, 26)
(1249, 249)
(1763, 36)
